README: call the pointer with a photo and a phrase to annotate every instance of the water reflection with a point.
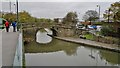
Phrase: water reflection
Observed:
(42, 37)
(110, 57)
(54, 46)
(62, 53)
(60, 58)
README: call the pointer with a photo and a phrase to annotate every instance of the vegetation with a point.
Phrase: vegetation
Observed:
(112, 16)
(25, 17)
(70, 18)
(56, 20)
(115, 40)
(42, 30)
(89, 36)
(108, 31)
(91, 15)
(113, 13)
(10, 17)
(0, 14)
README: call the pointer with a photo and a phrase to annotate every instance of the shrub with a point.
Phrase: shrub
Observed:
(107, 31)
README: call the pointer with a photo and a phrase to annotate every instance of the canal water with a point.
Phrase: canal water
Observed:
(48, 51)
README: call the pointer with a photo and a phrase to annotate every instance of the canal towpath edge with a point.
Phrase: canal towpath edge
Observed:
(111, 47)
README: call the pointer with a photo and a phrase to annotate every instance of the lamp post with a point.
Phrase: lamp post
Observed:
(17, 10)
(99, 11)
(17, 15)
(10, 5)
(15, 7)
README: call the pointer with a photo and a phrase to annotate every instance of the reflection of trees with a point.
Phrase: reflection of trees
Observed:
(69, 48)
(111, 57)
(56, 45)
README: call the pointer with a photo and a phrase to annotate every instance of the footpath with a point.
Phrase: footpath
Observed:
(111, 47)
(0, 48)
(9, 43)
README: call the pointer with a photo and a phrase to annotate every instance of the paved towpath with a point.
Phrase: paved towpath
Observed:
(0, 48)
(9, 42)
(91, 43)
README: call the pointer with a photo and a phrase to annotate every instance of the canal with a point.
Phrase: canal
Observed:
(43, 50)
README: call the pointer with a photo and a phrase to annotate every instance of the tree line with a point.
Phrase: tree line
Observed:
(24, 17)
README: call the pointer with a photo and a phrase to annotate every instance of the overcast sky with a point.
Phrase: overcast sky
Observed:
(57, 9)
(63, 0)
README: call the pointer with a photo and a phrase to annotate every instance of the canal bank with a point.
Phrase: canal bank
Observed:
(111, 47)
(44, 51)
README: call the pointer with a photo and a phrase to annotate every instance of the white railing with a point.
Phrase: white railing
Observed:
(18, 59)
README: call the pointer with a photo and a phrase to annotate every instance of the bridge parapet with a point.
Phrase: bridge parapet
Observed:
(18, 59)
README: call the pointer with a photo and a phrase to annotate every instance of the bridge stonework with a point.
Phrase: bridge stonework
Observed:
(63, 31)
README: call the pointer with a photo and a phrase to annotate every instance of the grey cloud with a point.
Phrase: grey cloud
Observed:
(58, 9)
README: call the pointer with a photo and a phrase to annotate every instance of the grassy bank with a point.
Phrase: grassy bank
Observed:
(89, 36)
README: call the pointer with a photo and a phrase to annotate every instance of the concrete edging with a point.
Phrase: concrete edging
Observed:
(85, 44)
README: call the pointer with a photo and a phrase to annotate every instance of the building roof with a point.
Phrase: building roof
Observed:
(86, 23)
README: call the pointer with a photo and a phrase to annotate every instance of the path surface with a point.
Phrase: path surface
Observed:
(0, 48)
(91, 43)
(9, 42)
